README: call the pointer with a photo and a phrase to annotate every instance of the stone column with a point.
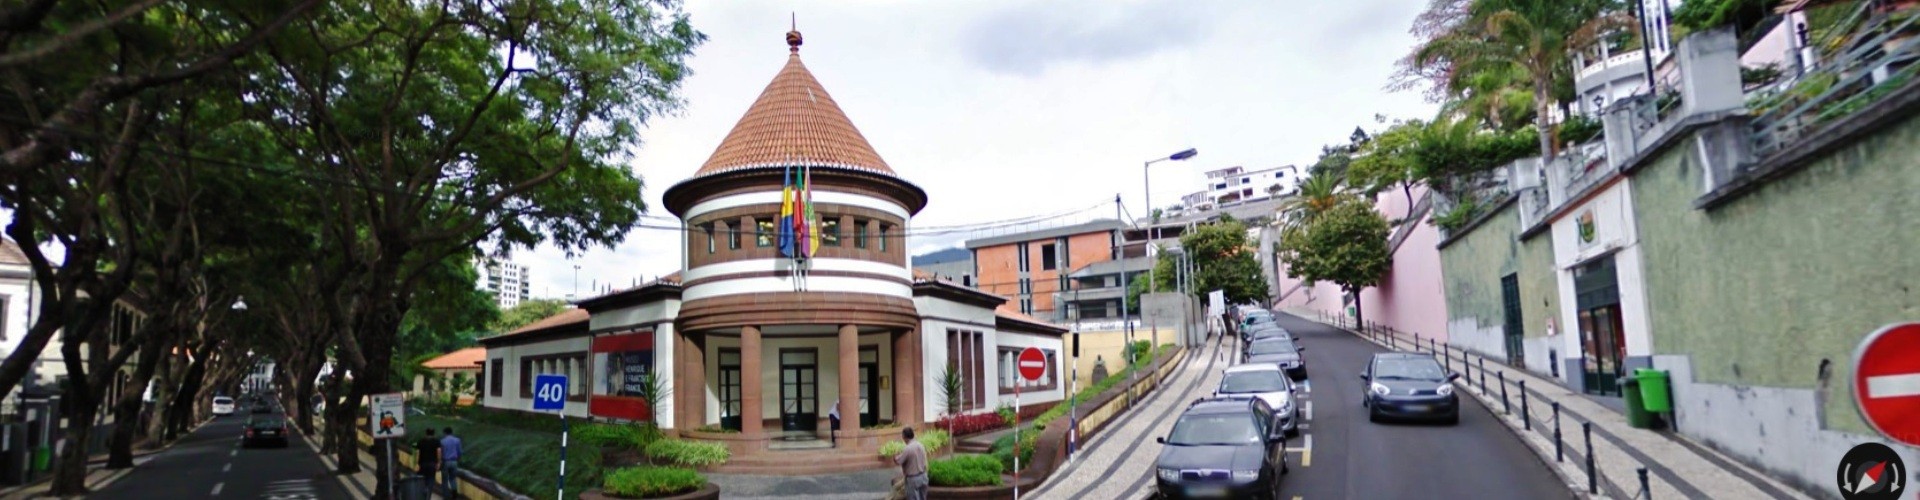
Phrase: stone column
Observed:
(849, 378)
(750, 381)
(906, 388)
(694, 396)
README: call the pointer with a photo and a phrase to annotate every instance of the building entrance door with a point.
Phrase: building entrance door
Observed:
(869, 386)
(799, 389)
(1510, 291)
(1602, 338)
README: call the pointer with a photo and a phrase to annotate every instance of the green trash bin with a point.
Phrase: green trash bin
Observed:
(1637, 415)
(42, 458)
(1653, 390)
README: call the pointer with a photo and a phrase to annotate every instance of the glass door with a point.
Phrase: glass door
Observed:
(730, 389)
(799, 384)
(1510, 292)
(869, 386)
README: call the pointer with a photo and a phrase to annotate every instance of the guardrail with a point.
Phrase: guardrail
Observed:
(1531, 402)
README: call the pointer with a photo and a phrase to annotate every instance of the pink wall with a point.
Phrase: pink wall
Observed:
(1409, 297)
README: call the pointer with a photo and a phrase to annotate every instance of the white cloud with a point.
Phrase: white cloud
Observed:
(1002, 112)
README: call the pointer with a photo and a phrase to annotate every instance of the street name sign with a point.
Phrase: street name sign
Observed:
(549, 392)
(1886, 381)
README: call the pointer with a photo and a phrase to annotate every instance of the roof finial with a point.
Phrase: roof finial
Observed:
(793, 36)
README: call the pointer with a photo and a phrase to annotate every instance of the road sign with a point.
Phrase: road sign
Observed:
(1886, 381)
(1033, 364)
(549, 392)
(388, 415)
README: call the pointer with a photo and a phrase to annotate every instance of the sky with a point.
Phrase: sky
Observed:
(1003, 110)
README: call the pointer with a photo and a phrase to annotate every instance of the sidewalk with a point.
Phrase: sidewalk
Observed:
(359, 485)
(1672, 465)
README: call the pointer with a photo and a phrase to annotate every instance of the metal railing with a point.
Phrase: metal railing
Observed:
(1859, 76)
(1493, 384)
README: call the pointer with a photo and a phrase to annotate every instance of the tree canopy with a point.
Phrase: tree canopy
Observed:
(1346, 245)
(1225, 260)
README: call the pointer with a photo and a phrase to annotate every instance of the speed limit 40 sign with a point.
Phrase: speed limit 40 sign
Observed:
(549, 392)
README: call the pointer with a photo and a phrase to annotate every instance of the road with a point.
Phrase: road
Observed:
(1339, 454)
(211, 464)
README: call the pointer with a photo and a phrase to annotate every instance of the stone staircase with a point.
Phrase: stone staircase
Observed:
(803, 462)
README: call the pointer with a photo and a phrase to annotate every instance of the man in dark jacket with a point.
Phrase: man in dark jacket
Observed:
(426, 453)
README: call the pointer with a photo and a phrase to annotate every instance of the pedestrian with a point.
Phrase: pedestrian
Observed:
(833, 430)
(450, 453)
(913, 465)
(427, 457)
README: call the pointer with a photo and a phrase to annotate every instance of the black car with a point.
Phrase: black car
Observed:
(1280, 351)
(265, 431)
(261, 407)
(1222, 448)
(1410, 386)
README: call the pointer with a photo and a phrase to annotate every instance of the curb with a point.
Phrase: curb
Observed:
(112, 475)
(1542, 451)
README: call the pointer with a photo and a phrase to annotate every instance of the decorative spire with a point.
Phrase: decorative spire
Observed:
(793, 36)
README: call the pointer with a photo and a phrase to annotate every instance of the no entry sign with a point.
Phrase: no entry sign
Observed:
(1033, 364)
(1886, 381)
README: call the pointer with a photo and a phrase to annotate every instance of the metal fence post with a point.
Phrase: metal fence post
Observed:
(1506, 405)
(1466, 367)
(1559, 451)
(1483, 374)
(1593, 479)
(1526, 417)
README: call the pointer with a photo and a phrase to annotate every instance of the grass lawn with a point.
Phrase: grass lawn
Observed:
(524, 460)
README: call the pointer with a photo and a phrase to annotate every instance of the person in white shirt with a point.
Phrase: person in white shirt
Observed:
(833, 417)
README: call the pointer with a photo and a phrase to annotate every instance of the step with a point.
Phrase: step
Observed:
(840, 465)
(804, 444)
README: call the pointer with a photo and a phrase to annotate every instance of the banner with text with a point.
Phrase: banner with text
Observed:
(622, 364)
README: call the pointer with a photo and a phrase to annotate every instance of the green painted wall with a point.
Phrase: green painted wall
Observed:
(1759, 291)
(1472, 266)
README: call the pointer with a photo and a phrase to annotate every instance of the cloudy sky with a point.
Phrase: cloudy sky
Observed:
(1003, 110)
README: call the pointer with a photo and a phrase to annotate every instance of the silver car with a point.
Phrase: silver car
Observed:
(1268, 383)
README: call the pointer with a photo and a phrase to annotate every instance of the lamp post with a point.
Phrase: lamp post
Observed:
(1152, 228)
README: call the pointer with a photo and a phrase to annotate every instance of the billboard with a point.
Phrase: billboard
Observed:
(621, 364)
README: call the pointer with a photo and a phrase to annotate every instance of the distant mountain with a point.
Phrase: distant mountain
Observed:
(943, 256)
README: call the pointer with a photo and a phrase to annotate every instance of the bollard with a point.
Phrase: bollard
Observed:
(1506, 405)
(1645, 491)
(1525, 416)
(1483, 374)
(1466, 367)
(1559, 451)
(1593, 480)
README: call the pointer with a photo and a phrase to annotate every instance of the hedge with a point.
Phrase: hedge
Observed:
(629, 436)
(964, 470)
(932, 439)
(1002, 448)
(650, 482)
(520, 459)
(687, 453)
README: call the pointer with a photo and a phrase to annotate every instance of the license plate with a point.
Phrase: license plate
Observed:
(273, 432)
(1417, 407)
(1207, 491)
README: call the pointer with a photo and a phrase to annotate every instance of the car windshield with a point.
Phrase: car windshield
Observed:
(1217, 429)
(1268, 332)
(223, 401)
(1253, 381)
(1412, 369)
(1271, 347)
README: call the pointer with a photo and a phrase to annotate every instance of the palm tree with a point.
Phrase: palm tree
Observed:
(1317, 194)
(1535, 36)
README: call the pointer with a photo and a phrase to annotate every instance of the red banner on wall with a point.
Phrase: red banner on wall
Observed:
(621, 366)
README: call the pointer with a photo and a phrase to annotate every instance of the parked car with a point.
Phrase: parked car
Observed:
(1222, 448)
(1266, 330)
(1271, 385)
(1410, 386)
(264, 431)
(1277, 351)
(222, 406)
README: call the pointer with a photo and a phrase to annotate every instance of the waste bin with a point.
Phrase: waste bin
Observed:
(1637, 415)
(1653, 390)
(414, 488)
(42, 458)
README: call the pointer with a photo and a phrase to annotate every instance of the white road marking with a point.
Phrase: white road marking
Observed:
(228, 468)
(233, 453)
(1308, 385)
(216, 489)
(1893, 386)
(1308, 409)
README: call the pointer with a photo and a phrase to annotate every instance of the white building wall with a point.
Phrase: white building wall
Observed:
(18, 296)
(1615, 232)
(509, 397)
(1021, 340)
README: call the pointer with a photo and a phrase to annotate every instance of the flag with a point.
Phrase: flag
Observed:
(785, 224)
(801, 225)
(814, 226)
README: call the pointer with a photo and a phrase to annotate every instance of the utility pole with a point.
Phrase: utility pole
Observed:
(1125, 290)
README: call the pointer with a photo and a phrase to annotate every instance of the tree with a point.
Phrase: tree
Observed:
(1317, 194)
(1346, 245)
(525, 313)
(1389, 161)
(1224, 260)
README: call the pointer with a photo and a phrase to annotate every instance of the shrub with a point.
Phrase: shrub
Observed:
(932, 439)
(717, 429)
(961, 425)
(964, 470)
(629, 436)
(1007, 414)
(1003, 448)
(687, 453)
(1579, 129)
(891, 448)
(651, 482)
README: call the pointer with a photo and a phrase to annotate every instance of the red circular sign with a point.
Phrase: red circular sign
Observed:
(1886, 381)
(1032, 363)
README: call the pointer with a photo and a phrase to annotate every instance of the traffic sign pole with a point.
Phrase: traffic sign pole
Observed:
(1886, 381)
(563, 457)
(550, 394)
(1032, 364)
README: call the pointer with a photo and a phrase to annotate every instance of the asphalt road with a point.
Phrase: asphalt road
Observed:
(211, 464)
(1342, 455)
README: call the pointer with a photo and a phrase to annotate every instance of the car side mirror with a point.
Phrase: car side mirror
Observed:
(1160, 439)
(1453, 376)
(1363, 376)
(1300, 349)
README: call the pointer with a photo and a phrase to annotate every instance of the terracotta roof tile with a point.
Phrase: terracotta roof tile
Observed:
(464, 358)
(794, 120)
(567, 317)
(1007, 310)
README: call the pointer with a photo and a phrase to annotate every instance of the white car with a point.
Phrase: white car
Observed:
(222, 406)
(1269, 383)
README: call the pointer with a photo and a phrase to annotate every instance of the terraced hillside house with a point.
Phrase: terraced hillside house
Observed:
(755, 346)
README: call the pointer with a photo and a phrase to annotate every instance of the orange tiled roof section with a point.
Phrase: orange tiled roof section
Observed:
(1008, 311)
(794, 120)
(464, 358)
(567, 317)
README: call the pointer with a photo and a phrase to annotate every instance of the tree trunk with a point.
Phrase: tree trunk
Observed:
(70, 474)
(303, 389)
(1542, 103)
(126, 412)
(179, 413)
(1359, 316)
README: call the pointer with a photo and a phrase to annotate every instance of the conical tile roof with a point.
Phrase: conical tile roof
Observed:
(793, 122)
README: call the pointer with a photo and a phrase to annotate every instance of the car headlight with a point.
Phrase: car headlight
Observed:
(1246, 475)
(1169, 474)
(1445, 390)
(1379, 390)
(1285, 406)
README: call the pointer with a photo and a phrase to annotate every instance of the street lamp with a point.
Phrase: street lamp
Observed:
(240, 303)
(1152, 229)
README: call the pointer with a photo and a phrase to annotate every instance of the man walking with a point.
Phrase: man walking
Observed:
(427, 457)
(450, 452)
(913, 465)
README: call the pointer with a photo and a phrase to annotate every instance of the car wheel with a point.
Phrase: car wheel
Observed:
(1373, 416)
(1453, 419)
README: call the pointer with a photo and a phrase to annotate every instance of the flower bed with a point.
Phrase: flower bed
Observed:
(652, 482)
(961, 425)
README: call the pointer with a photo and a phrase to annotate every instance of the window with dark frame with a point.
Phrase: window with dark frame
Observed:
(1009, 359)
(496, 377)
(733, 238)
(4, 300)
(1021, 250)
(730, 386)
(859, 233)
(883, 237)
(763, 233)
(830, 231)
(573, 365)
(708, 228)
(1049, 259)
